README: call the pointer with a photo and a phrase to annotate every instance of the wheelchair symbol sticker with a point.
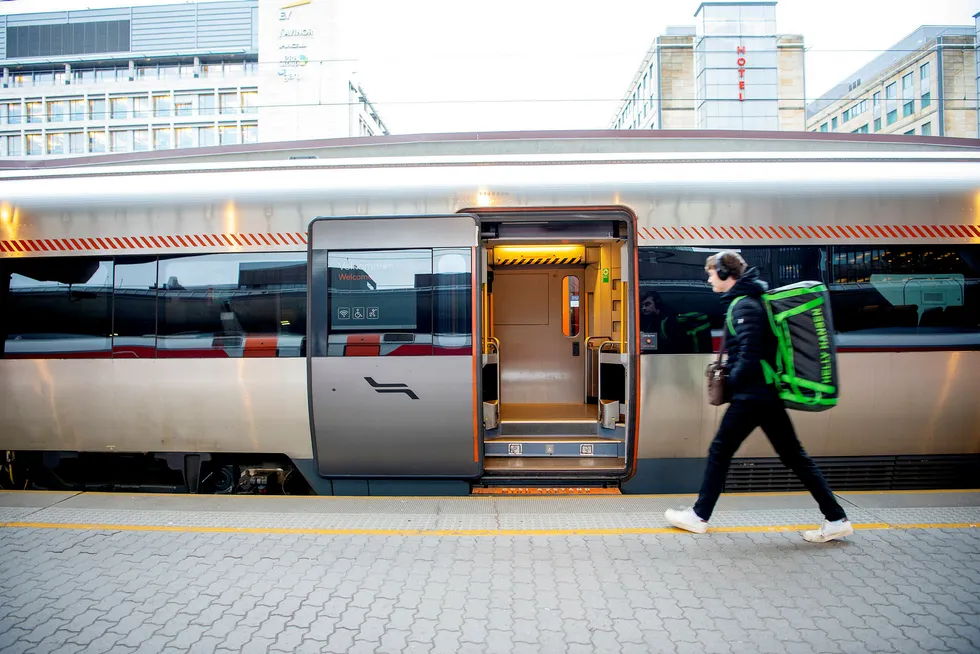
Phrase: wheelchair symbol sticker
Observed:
(358, 313)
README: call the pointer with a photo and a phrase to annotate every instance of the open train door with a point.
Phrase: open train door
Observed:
(393, 362)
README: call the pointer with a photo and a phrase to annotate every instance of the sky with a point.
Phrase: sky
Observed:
(462, 65)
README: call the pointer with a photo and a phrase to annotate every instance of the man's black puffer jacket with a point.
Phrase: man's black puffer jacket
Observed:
(752, 342)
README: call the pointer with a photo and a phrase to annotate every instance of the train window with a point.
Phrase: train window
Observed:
(570, 306)
(231, 305)
(56, 308)
(452, 302)
(134, 319)
(906, 295)
(399, 302)
(676, 301)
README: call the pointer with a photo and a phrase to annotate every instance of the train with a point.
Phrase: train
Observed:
(476, 313)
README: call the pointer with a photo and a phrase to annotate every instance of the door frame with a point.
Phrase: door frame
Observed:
(586, 214)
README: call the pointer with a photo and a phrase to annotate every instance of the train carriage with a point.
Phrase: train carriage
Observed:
(476, 313)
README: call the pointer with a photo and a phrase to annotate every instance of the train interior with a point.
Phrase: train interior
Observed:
(555, 307)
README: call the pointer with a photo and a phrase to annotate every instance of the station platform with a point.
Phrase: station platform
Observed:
(113, 572)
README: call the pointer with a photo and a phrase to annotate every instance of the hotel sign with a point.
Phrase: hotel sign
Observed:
(740, 51)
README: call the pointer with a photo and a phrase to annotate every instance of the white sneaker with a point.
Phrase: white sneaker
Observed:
(686, 519)
(829, 531)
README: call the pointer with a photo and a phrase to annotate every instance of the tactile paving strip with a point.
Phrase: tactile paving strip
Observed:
(468, 514)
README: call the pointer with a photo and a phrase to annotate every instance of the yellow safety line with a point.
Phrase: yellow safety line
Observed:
(461, 532)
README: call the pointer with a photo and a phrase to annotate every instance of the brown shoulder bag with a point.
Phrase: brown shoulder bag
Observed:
(717, 375)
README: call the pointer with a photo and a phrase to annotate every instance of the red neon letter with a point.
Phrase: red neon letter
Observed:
(741, 84)
(740, 96)
(741, 61)
(741, 72)
(740, 49)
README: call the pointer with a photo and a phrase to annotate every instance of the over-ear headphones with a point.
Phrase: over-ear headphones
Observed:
(721, 268)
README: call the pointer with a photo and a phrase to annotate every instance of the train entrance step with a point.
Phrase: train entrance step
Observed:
(544, 490)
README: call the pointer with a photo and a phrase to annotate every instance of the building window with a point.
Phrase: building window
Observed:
(205, 104)
(877, 124)
(891, 102)
(184, 105)
(121, 141)
(926, 99)
(77, 110)
(250, 101)
(14, 145)
(250, 133)
(96, 109)
(141, 140)
(134, 307)
(911, 132)
(185, 137)
(57, 111)
(876, 103)
(161, 139)
(96, 141)
(927, 129)
(229, 103)
(56, 143)
(35, 114)
(162, 106)
(141, 106)
(35, 146)
(925, 80)
(76, 143)
(205, 136)
(121, 107)
(228, 134)
(14, 115)
(833, 123)
(908, 94)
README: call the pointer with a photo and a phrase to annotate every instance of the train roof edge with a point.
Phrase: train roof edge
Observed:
(518, 143)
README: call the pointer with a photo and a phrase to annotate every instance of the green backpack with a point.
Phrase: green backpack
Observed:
(806, 356)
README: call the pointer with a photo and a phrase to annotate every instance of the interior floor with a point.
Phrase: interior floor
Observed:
(514, 464)
(539, 412)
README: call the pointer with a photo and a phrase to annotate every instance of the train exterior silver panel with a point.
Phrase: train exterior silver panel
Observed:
(396, 417)
(676, 203)
(155, 405)
(892, 403)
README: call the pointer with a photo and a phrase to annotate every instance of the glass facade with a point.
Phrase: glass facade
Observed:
(735, 60)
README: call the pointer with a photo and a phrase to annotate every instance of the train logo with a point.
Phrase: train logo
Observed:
(391, 388)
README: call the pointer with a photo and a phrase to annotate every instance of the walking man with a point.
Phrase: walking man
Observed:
(754, 403)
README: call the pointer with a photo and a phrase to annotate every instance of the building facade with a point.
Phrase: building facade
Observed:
(925, 85)
(165, 76)
(732, 70)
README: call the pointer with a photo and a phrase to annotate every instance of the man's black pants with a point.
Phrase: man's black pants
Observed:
(741, 418)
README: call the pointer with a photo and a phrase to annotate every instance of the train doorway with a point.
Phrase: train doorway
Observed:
(557, 349)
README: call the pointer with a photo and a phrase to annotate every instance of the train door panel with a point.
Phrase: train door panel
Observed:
(395, 331)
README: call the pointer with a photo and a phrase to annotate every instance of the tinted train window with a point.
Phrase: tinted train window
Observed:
(399, 302)
(231, 305)
(676, 301)
(134, 313)
(56, 308)
(906, 295)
